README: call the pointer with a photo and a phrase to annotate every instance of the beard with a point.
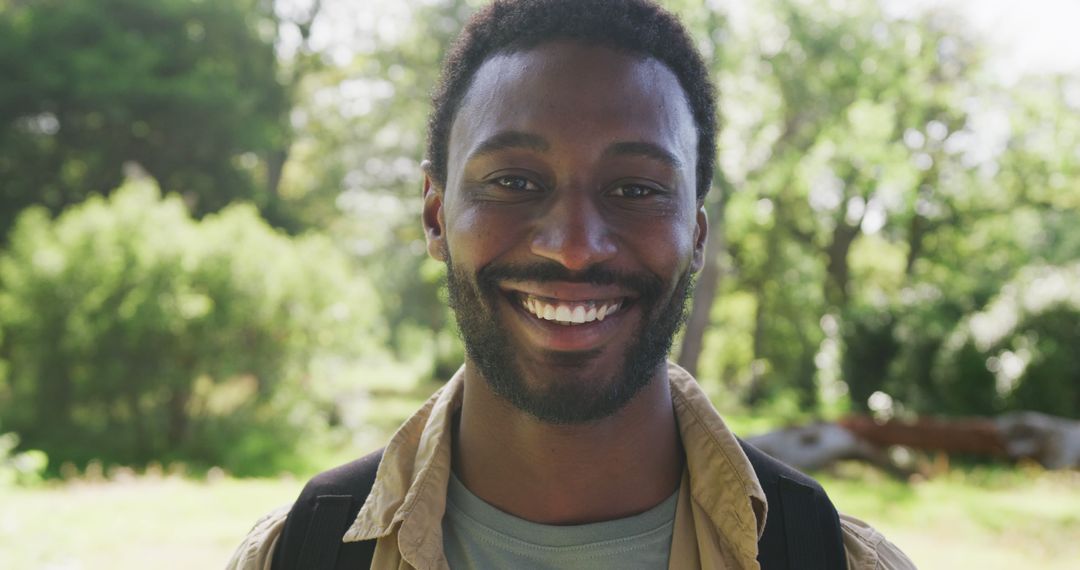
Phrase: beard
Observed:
(564, 396)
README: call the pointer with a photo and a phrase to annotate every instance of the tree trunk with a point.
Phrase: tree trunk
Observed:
(708, 282)
(838, 272)
(275, 165)
(273, 209)
(138, 423)
(756, 391)
(178, 418)
(916, 231)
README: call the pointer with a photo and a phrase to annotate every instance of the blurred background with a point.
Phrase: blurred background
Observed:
(213, 281)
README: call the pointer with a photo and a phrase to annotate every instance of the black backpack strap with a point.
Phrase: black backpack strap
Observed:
(323, 537)
(311, 539)
(804, 540)
(803, 527)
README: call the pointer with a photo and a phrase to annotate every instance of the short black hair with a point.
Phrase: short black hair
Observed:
(635, 26)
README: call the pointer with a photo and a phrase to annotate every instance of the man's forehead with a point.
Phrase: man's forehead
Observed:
(569, 68)
(563, 84)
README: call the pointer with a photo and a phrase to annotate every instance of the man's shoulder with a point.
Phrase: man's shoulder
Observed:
(868, 549)
(256, 550)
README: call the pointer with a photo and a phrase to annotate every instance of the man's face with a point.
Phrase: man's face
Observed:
(569, 225)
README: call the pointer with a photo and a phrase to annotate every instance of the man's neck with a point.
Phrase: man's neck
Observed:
(559, 474)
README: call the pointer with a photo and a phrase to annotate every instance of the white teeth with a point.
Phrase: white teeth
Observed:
(579, 315)
(563, 313)
(570, 313)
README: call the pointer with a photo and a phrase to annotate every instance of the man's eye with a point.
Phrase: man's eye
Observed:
(518, 183)
(633, 191)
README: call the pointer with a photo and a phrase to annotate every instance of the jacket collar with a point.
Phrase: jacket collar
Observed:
(722, 481)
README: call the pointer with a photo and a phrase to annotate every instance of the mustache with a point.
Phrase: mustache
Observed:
(646, 285)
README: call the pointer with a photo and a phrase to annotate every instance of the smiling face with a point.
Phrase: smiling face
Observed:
(569, 224)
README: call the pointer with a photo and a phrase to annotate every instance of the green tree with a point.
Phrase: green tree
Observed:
(133, 332)
(871, 204)
(184, 89)
(1020, 351)
(819, 103)
(1004, 210)
(355, 163)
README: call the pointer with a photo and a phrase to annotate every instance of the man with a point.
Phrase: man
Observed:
(570, 149)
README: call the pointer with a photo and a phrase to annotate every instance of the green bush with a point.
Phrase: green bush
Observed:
(22, 467)
(893, 349)
(1021, 352)
(134, 333)
(936, 355)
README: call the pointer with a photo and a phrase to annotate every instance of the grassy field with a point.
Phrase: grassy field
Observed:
(982, 518)
(141, 524)
(974, 518)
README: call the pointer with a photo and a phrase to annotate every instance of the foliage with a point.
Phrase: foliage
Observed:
(875, 199)
(185, 89)
(20, 467)
(359, 142)
(1018, 214)
(1020, 351)
(134, 333)
(822, 165)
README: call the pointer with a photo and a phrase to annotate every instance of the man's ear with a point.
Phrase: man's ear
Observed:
(433, 219)
(701, 234)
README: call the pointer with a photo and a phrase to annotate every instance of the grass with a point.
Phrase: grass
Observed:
(161, 523)
(983, 518)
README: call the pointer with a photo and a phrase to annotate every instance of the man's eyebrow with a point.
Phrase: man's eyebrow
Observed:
(645, 149)
(511, 140)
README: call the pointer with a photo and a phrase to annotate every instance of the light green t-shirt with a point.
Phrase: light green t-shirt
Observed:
(478, 536)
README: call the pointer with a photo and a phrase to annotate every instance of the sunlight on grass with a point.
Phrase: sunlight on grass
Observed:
(146, 523)
(986, 518)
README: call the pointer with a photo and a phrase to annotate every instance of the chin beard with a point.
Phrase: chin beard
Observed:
(563, 396)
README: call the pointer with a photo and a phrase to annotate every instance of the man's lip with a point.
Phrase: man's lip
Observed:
(567, 291)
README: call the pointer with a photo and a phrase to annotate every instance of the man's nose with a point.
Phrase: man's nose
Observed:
(574, 233)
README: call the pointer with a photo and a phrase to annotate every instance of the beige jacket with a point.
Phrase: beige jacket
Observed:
(720, 514)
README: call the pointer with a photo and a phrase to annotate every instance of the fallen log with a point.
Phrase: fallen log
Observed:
(819, 445)
(976, 436)
(1052, 441)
